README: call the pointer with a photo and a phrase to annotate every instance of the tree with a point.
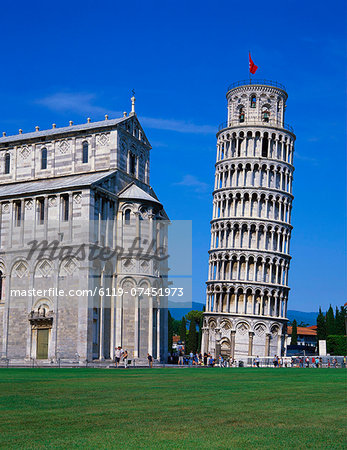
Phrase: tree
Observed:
(194, 315)
(321, 326)
(176, 324)
(336, 345)
(192, 341)
(200, 333)
(294, 340)
(183, 330)
(169, 331)
(330, 321)
(340, 321)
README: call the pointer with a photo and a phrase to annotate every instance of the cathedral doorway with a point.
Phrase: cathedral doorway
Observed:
(225, 348)
(42, 343)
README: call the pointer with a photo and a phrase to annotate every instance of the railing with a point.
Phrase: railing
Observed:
(271, 123)
(256, 82)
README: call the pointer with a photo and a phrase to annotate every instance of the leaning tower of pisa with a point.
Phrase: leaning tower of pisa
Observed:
(247, 287)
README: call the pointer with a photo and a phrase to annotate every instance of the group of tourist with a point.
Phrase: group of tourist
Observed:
(208, 360)
(197, 359)
(122, 356)
(316, 362)
(305, 361)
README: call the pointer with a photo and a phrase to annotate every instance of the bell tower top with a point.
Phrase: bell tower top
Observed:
(255, 103)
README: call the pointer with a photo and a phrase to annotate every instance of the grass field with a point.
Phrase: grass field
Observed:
(173, 408)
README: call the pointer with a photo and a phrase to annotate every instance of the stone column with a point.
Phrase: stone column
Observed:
(101, 319)
(279, 344)
(253, 303)
(218, 346)
(267, 344)
(158, 333)
(150, 326)
(136, 326)
(261, 304)
(232, 343)
(250, 343)
(204, 340)
(113, 319)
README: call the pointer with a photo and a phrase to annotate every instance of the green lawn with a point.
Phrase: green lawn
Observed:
(173, 408)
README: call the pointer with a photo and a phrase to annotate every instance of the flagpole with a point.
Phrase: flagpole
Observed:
(250, 75)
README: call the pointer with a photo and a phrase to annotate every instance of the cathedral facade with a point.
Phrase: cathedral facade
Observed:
(83, 245)
(247, 287)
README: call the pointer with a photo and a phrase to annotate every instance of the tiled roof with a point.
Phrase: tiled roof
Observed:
(133, 192)
(57, 131)
(73, 181)
(303, 331)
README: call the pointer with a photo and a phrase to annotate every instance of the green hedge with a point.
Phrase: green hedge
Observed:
(337, 345)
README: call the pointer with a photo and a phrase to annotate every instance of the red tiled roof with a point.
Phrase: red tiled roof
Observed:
(303, 331)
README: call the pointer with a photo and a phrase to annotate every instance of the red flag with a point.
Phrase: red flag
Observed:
(252, 67)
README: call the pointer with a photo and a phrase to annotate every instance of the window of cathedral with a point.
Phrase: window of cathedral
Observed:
(85, 152)
(17, 213)
(41, 210)
(43, 159)
(65, 207)
(132, 164)
(103, 209)
(253, 101)
(7, 163)
(1, 285)
(127, 213)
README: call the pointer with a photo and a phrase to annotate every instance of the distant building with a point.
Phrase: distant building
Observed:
(307, 336)
(176, 340)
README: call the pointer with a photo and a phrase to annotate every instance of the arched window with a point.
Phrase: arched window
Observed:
(7, 163)
(127, 216)
(43, 159)
(265, 146)
(85, 152)
(253, 101)
(242, 115)
(265, 116)
(65, 207)
(18, 213)
(1, 284)
(132, 164)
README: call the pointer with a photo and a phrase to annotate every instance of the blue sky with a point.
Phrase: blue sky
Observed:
(66, 61)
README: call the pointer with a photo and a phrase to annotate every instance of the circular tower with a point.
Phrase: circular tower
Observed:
(247, 287)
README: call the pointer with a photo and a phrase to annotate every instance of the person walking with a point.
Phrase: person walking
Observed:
(200, 360)
(118, 355)
(150, 360)
(180, 358)
(125, 359)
